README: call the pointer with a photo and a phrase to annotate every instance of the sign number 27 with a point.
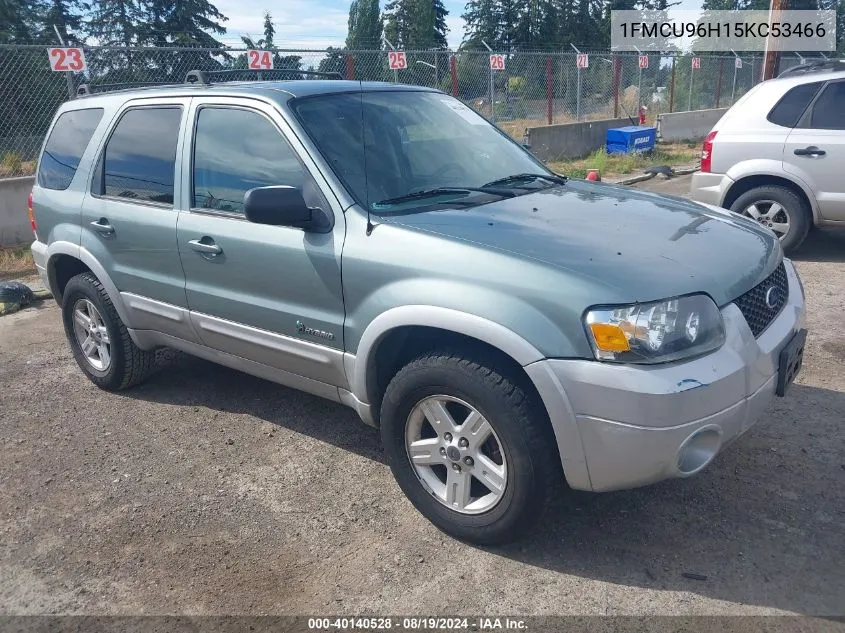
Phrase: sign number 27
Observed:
(66, 59)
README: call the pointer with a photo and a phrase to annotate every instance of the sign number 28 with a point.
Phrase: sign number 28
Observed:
(66, 59)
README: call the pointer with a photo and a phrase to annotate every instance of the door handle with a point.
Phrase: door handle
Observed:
(809, 151)
(207, 248)
(102, 225)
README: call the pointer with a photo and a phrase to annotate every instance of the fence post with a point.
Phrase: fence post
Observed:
(617, 73)
(453, 68)
(691, 77)
(350, 67)
(719, 82)
(672, 84)
(550, 86)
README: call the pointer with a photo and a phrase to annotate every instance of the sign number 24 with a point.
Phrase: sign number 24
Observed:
(66, 59)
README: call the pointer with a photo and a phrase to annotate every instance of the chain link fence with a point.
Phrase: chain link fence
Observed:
(532, 89)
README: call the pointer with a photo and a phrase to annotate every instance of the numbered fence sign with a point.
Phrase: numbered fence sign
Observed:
(67, 59)
(582, 60)
(259, 60)
(497, 62)
(397, 60)
(643, 61)
(696, 63)
(738, 63)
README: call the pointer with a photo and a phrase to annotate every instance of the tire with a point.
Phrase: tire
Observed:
(127, 365)
(520, 427)
(795, 209)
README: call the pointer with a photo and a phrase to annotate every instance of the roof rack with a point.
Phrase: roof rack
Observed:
(818, 66)
(205, 76)
(88, 89)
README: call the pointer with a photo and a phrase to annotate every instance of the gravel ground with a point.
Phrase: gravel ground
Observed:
(206, 491)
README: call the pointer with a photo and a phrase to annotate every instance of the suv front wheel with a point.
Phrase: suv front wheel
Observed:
(779, 209)
(98, 338)
(469, 445)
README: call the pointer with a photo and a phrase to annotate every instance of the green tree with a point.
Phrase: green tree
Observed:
(67, 17)
(416, 24)
(18, 20)
(193, 23)
(365, 25)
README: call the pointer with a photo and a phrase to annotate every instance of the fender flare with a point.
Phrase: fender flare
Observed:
(61, 247)
(360, 370)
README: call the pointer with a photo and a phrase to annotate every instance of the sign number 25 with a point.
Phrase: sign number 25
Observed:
(66, 59)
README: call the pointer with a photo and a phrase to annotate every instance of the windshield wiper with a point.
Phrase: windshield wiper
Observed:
(439, 191)
(507, 180)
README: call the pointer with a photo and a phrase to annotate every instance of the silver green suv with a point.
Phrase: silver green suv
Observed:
(509, 331)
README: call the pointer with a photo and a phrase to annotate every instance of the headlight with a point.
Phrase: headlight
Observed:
(656, 332)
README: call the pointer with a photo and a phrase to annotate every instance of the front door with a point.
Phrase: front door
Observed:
(270, 294)
(815, 150)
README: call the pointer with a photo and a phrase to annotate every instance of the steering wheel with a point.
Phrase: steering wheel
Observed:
(443, 169)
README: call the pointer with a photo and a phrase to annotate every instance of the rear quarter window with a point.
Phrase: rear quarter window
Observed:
(791, 106)
(65, 146)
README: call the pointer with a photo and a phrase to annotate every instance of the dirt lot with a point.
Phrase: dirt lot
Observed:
(206, 491)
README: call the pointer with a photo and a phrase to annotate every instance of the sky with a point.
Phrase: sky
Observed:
(319, 24)
(309, 23)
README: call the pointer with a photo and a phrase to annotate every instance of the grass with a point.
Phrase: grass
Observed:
(674, 154)
(16, 262)
(12, 164)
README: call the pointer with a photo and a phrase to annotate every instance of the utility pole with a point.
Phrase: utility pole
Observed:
(771, 56)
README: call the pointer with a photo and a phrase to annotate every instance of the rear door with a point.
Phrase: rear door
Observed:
(270, 294)
(129, 218)
(815, 150)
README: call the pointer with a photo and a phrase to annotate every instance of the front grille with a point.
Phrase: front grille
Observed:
(763, 302)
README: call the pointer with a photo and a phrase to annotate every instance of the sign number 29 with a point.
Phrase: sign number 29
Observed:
(66, 59)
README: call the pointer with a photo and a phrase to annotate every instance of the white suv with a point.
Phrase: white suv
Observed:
(778, 155)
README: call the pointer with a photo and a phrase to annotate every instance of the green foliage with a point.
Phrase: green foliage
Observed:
(365, 26)
(416, 24)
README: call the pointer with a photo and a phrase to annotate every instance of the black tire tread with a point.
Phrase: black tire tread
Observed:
(528, 410)
(138, 364)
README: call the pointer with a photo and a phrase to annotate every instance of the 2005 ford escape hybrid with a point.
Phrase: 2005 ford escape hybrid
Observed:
(508, 330)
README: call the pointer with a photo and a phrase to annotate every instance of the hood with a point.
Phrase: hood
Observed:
(647, 246)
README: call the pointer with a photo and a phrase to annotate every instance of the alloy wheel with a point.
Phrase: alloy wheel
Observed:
(456, 454)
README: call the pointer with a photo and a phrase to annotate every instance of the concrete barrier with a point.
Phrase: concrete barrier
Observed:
(687, 126)
(14, 223)
(571, 140)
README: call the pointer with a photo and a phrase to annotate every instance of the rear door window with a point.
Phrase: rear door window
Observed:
(65, 147)
(829, 109)
(791, 106)
(139, 161)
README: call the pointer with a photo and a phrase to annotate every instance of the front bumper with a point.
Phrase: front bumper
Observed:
(709, 188)
(640, 424)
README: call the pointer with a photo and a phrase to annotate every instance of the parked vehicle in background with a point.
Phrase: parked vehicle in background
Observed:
(384, 246)
(778, 155)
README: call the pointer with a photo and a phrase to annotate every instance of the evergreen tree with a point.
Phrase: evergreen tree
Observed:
(192, 23)
(416, 24)
(66, 15)
(18, 19)
(365, 26)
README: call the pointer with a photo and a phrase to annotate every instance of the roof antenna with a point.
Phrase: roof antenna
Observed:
(370, 226)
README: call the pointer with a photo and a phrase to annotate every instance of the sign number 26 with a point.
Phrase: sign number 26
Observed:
(66, 59)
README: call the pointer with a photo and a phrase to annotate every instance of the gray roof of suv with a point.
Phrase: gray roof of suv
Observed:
(292, 89)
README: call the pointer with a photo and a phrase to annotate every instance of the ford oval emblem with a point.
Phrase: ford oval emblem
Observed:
(772, 297)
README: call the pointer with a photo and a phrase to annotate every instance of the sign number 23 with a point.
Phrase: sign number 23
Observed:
(66, 59)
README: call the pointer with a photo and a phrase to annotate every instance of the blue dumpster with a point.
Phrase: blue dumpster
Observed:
(633, 138)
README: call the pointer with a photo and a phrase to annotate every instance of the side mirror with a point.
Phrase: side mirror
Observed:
(284, 206)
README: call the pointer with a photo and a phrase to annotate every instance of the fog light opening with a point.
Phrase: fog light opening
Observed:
(698, 450)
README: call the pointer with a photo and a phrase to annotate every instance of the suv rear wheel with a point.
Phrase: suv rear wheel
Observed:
(779, 209)
(98, 338)
(472, 449)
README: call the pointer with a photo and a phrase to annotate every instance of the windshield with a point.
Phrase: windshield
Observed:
(390, 147)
